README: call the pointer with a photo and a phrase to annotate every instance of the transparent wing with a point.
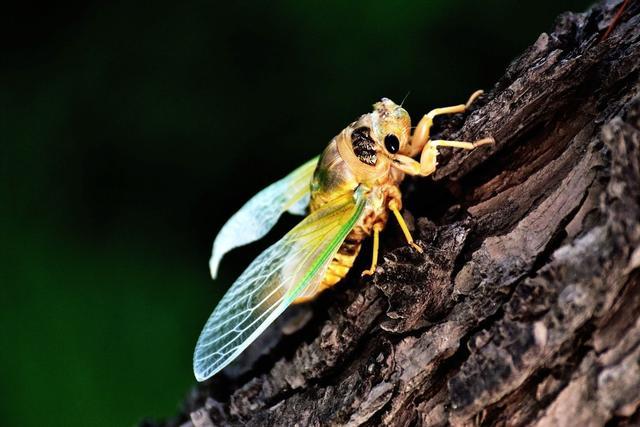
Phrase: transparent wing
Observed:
(273, 280)
(254, 220)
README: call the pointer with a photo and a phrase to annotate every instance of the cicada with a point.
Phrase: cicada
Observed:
(349, 192)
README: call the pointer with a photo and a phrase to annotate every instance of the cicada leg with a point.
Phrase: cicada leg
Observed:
(376, 244)
(428, 158)
(393, 206)
(422, 132)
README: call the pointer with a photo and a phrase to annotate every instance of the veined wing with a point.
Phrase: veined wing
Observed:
(273, 280)
(254, 220)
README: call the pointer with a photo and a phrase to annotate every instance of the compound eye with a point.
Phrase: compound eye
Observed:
(391, 143)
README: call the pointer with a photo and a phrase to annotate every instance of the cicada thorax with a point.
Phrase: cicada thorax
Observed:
(339, 172)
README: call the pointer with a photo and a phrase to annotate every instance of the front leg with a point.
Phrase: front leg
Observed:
(429, 157)
(422, 132)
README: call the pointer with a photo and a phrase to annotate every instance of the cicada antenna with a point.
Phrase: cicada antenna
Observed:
(405, 98)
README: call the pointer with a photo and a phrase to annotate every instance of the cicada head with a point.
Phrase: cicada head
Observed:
(391, 125)
(370, 144)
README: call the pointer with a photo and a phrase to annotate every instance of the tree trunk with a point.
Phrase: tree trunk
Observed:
(525, 307)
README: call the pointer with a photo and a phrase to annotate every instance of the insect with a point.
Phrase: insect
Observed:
(349, 191)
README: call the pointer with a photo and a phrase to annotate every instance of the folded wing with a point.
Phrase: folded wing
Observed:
(254, 220)
(272, 281)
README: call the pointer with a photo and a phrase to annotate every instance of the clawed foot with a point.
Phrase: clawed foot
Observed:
(416, 247)
(367, 273)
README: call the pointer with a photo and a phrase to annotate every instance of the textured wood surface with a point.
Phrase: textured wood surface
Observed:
(525, 307)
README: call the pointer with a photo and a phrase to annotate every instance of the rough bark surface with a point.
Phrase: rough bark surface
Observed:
(525, 307)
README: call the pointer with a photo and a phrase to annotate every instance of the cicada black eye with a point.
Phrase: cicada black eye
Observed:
(391, 143)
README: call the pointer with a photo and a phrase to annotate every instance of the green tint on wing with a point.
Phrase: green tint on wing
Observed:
(273, 280)
(254, 220)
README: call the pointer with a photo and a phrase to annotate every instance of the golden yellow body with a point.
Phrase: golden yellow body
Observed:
(376, 152)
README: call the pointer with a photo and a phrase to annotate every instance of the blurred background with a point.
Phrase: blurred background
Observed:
(130, 133)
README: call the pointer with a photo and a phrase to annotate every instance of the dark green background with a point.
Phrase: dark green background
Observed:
(129, 133)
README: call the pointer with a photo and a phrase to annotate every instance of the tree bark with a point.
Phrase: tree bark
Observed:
(525, 307)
